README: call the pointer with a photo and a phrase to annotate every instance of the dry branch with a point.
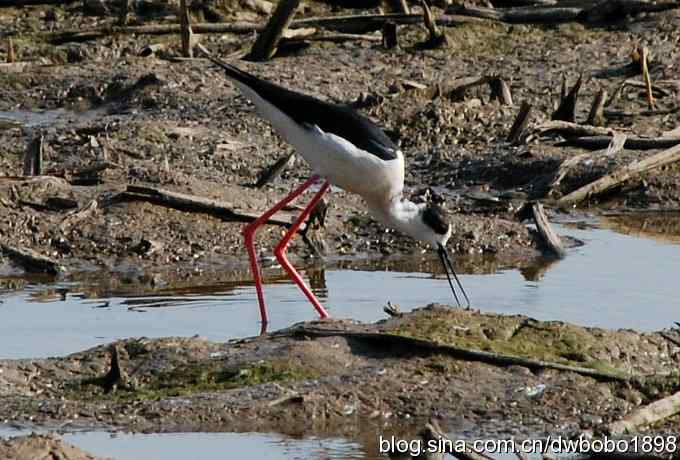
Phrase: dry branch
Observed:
(11, 55)
(566, 111)
(570, 129)
(356, 24)
(33, 157)
(550, 238)
(268, 39)
(566, 166)
(622, 174)
(392, 341)
(520, 125)
(79, 215)
(631, 142)
(644, 54)
(192, 203)
(185, 29)
(596, 115)
(31, 260)
(604, 11)
(648, 415)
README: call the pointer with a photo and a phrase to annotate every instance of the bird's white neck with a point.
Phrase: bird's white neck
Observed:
(400, 214)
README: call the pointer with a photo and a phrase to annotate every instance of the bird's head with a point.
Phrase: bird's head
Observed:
(436, 230)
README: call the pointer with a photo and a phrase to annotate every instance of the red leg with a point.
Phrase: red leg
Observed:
(280, 251)
(249, 232)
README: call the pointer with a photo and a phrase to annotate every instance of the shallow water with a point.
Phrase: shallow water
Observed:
(40, 118)
(614, 281)
(196, 446)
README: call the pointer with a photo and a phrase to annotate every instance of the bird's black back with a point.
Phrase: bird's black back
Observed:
(309, 111)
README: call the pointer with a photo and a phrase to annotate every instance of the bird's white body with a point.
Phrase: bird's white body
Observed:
(379, 182)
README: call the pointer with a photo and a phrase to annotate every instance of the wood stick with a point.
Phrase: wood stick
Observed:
(566, 111)
(185, 30)
(14, 67)
(79, 215)
(500, 91)
(622, 174)
(642, 113)
(358, 24)
(551, 240)
(394, 6)
(617, 143)
(520, 15)
(272, 172)
(631, 142)
(391, 341)
(192, 203)
(31, 261)
(11, 55)
(645, 75)
(267, 41)
(648, 415)
(570, 129)
(596, 115)
(566, 166)
(436, 37)
(516, 135)
(33, 158)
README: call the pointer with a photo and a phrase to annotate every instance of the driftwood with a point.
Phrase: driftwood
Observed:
(267, 41)
(355, 24)
(500, 90)
(390, 37)
(641, 113)
(550, 239)
(11, 54)
(33, 157)
(31, 260)
(394, 6)
(604, 11)
(436, 38)
(566, 166)
(192, 203)
(631, 142)
(392, 341)
(14, 67)
(566, 111)
(520, 15)
(79, 215)
(516, 134)
(647, 415)
(185, 30)
(596, 115)
(18, 3)
(272, 172)
(645, 76)
(622, 174)
(570, 129)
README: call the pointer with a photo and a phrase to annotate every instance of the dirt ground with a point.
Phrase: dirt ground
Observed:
(178, 125)
(342, 378)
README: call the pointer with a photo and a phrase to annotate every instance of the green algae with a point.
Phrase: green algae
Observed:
(192, 378)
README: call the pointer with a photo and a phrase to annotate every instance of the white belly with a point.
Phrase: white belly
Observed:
(334, 158)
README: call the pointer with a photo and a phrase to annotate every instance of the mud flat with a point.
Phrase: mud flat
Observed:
(337, 377)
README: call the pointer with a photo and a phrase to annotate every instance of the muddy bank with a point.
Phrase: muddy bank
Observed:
(121, 119)
(41, 447)
(337, 377)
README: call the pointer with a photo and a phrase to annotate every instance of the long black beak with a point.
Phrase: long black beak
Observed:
(446, 262)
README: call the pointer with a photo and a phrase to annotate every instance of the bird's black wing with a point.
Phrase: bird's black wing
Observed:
(307, 110)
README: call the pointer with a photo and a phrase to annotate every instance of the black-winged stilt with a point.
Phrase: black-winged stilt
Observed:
(344, 149)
